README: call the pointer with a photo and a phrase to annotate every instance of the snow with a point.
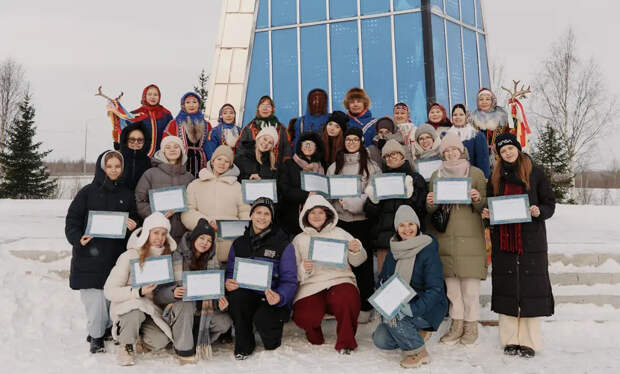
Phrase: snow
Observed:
(44, 323)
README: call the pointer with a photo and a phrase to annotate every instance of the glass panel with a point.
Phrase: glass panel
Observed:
(342, 8)
(452, 8)
(484, 65)
(437, 5)
(313, 61)
(344, 60)
(311, 10)
(284, 64)
(258, 84)
(410, 64)
(374, 6)
(471, 67)
(479, 18)
(467, 11)
(283, 12)
(441, 68)
(262, 19)
(455, 58)
(377, 57)
(407, 4)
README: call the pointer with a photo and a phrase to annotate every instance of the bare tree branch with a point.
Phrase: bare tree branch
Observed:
(11, 92)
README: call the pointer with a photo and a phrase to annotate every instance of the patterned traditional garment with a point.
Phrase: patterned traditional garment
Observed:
(224, 133)
(153, 119)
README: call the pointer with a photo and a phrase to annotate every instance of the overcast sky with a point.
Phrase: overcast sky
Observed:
(70, 47)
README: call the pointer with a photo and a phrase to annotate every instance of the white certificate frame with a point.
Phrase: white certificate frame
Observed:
(389, 315)
(307, 175)
(239, 260)
(358, 192)
(154, 191)
(136, 262)
(390, 196)
(343, 261)
(189, 274)
(427, 161)
(526, 203)
(228, 222)
(91, 218)
(465, 200)
(246, 182)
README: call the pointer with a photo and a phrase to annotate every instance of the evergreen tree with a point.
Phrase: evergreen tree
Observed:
(24, 175)
(551, 154)
(203, 88)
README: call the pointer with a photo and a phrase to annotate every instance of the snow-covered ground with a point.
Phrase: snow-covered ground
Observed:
(43, 323)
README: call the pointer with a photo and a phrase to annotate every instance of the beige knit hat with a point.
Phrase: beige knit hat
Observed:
(451, 139)
(177, 141)
(224, 150)
(392, 146)
(269, 131)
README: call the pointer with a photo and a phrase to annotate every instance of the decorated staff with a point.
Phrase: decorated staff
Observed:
(518, 124)
(118, 115)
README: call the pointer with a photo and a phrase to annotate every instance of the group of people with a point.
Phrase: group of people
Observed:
(443, 264)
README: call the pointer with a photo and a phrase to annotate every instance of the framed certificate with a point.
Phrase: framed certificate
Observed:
(253, 274)
(389, 186)
(315, 182)
(103, 224)
(509, 209)
(426, 167)
(252, 190)
(231, 229)
(203, 285)
(390, 296)
(154, 270)
(168, 198)
(328, 252)
(452, 191)
(341, 186)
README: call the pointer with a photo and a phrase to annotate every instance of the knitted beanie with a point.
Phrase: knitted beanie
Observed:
(506, 139)
(385, 123)
(354, 131)
(269, 131)
(224, 150)
(202, 227)
(392, 146)
(451, 139)
(340, 118)
(425, 129)
(405, 213)
(266, 202)
(177, 141)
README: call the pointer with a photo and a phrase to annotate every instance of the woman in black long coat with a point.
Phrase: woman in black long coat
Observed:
(520, 277)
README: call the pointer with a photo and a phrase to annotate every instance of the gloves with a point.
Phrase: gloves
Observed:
(408, 186)
(370, 191)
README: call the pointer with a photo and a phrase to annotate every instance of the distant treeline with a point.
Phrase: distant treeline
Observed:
(598, 179)
(66, 167)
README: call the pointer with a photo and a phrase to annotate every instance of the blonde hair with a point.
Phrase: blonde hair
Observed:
(272, 157)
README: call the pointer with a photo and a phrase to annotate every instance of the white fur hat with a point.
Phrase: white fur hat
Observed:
(269, 131)
(141, 235)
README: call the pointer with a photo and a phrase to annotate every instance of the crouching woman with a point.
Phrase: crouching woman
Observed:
(415, 257)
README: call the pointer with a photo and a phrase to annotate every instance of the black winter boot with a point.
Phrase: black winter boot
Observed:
(97, 345)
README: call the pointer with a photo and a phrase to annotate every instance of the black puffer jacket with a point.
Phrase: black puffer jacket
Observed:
(248, 165)
(91, 265)
(383, 213)
(290, 195)
(521, 284)
(136, 162)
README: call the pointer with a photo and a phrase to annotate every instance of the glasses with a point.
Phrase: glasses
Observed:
(352, 141)
(265, 105)
(308, 144)
(135, 140)
(422, 138)
(393, 155)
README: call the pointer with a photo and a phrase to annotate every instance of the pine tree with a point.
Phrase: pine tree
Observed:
(24, 175)
(203, 88)
(551, 154)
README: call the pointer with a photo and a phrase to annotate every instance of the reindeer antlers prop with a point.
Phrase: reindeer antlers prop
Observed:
(100, 93)
(517, 92)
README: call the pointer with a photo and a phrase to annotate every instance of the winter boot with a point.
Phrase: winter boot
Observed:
(470, 332)
(185, 360)
(454, 334)
(96, 345)
(426, 335)
(126, 355)
(141, 347)
(345, 351)
(526, 352)
(416, 360)
(365, 317)
(107, 335)
(512, 349)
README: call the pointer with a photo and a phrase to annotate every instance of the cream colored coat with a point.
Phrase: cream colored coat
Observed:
(322, 277)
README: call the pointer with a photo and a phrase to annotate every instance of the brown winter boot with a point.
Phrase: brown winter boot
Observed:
(126, 355)
(470, 332)
(416, 360)
(426, 335)
(454, 334)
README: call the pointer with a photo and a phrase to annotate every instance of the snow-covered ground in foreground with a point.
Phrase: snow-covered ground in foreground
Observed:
(43, 323)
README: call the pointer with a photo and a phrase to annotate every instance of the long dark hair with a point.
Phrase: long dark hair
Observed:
(332, 145)
(363, 160)
(200, 261)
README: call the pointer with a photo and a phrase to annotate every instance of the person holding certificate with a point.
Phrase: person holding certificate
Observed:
(216, 195)
(308, 157)
(93, 258)
(266, 310)
(414, 257)
(394, 155)
(196, 251)
(521, 286)
(333, 136)
(354, 160)
(258, 159)
(323, 288)
(132, 309)
(168, 171)
(462, 246)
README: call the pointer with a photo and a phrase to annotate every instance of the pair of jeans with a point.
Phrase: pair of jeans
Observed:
(403, 334)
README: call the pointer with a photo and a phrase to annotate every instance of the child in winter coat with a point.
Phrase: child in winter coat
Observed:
(316, 115)
(414, 256)
(386, 130)
(226, 132)
(132, 309)
(168, 171)
(259, 159)
(93, 258)
(472, 139)
(520, 273)
(326, 289)
(357, 104)
(267, 311)
(462, 246)
(134, 145)
(332, 136)
(196, 251)
(152, 117)
(438, 118)
(193, 130)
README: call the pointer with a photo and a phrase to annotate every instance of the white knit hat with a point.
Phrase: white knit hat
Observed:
(269, 131)
(172, 139)
(141, 235)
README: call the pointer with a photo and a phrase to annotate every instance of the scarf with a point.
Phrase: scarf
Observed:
(431, 153)
(404, 253)
(510, 239)
(147, 110)
(229, 132)
(454, 169)
(465, 133)
(314, 167)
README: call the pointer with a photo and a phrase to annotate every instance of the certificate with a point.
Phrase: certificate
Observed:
(329, 252)
(103, 224)
(426, 167)
(203, 285)
(341, 186)
(390, 296)
(509, 209)
(231, 229)
(315, 182)
(389, 186)
(168, 198)
(252, 190)
(452, 191)
(253, 274)
(154, 270)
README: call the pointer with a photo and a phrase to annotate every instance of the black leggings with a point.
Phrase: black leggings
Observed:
(364, 273)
